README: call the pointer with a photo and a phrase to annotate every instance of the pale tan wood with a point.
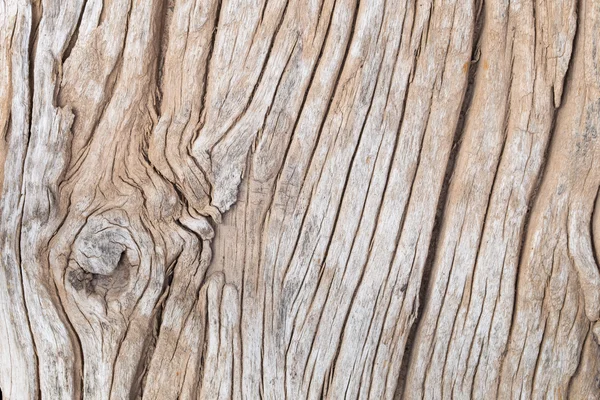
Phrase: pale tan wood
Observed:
(303, 199)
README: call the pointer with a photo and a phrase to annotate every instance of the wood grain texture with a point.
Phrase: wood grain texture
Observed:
(299, 199)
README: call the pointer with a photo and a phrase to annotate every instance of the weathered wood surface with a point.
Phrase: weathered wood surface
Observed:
(301, 199)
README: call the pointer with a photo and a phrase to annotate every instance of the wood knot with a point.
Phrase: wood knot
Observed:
(102, 256)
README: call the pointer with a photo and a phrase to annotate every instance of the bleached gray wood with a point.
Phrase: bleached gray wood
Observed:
(302, 199)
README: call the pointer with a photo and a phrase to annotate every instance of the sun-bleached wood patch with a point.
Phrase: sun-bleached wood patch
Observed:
(301, 199)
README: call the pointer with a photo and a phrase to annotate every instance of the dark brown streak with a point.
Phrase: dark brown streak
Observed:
(75, 35)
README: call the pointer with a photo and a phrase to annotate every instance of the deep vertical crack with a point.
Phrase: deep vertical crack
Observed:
(435, 234)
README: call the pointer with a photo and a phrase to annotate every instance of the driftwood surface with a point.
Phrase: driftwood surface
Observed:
(299, 199)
